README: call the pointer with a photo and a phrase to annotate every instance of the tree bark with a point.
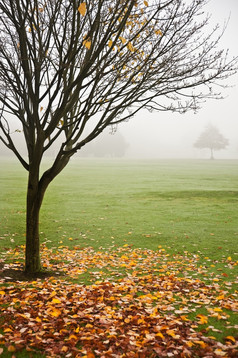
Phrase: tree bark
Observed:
(35, 194)
(32, 257)
(34, 200)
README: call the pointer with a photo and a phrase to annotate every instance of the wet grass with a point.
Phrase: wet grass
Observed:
(185, 205)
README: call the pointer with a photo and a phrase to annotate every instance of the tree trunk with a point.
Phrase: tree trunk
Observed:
(35, 194)
(34, 200)
(212, 156)
(32, 257)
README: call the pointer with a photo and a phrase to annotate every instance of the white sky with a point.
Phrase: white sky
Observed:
(172, 135)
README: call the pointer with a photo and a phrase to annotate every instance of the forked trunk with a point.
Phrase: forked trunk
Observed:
(35, 194)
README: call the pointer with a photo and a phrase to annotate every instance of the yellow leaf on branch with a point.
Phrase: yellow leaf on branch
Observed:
(123, 40)
(130, 47)
(158, 32)
(82, 9)
(87, 43)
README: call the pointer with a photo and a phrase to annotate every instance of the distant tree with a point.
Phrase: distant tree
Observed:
(70, 68)
(212, 139)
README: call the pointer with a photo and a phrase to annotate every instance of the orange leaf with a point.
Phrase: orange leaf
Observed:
(72, 336)
(170, 332)
(158, 32)
(64, 349)
(130, 47)
(87, 44)
(11, 348)
(56, 300)
(82, 9)
(123, 40)
(203, 319)
(6, 330)
(201, 343)
(159, 334)
(91, 355)
(55, 312)
(110, 42)
(217, 309)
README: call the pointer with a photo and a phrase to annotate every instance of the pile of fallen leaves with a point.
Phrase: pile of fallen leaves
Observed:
(138, 305)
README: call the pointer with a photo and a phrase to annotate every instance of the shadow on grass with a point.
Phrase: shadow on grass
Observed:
(10, 274)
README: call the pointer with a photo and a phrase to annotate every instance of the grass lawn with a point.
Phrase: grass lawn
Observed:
(104, 222)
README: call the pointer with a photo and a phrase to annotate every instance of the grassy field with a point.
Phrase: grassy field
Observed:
(114, 209)
(185, 205)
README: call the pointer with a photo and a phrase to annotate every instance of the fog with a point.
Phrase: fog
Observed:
(171, 135)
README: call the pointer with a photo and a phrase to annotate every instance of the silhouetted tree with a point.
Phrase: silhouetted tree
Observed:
(69, 69)
(212, 139)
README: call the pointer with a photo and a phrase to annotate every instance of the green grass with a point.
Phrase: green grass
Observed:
(182, 205)
(186, 205)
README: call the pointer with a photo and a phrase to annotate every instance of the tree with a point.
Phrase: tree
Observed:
(211, 138)
(69, 69)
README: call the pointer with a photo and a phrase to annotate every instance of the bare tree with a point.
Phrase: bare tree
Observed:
(69, 69)
(212, 139)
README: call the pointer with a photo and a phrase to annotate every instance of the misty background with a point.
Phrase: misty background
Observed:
(172, 135)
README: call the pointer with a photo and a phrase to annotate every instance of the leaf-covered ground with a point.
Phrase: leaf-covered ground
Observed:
(139, 303)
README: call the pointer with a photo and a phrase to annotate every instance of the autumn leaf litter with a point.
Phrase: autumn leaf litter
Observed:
(139, 304)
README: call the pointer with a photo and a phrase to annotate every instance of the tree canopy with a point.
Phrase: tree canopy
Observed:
(66, 66)
(212, 139)
(69, 69)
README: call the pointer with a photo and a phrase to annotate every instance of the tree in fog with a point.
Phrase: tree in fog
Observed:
(69, 69)
(212, 139)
